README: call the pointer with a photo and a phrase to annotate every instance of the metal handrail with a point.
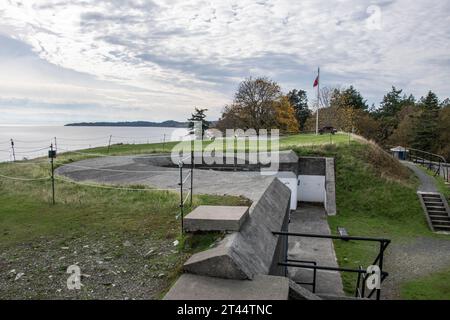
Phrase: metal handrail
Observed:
(359, 292)
(428, 158)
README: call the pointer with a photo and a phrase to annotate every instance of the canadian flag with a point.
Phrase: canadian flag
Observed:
(316, 82)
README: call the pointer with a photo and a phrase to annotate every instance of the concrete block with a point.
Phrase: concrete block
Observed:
(252, 250)
(216, 218)
(262, 287)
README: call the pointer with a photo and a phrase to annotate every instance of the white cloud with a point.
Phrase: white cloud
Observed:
(164, 57)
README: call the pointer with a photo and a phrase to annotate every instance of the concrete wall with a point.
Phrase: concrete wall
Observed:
(252, 250)
(317, 182)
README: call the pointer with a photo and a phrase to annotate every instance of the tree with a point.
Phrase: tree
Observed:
(198, 116)
(253, 106)
(389, 112)
(254, 102)
(345, 104)
(349, 97)
(444, 133)
(425, 136)
(285, 117)
(299, 102)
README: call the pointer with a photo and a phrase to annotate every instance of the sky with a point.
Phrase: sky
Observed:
(123, 60)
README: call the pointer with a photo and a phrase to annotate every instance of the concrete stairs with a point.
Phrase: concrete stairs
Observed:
(436, 209)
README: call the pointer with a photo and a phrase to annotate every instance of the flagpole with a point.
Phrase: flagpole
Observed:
(318, 101)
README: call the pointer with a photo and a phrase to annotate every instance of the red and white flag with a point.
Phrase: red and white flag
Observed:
(316, 82)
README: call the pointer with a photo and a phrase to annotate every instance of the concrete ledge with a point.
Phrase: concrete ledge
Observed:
(330, 187)
(262, 287)
(216, 218)
(297, 292)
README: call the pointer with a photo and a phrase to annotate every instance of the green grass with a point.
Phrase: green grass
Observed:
(27, 216)
(432, 287)
(286, 142)
(371, 192)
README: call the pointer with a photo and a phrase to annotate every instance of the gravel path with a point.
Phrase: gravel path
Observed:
(408, 261)
(427, 183)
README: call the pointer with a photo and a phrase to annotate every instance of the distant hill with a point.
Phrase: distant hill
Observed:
(169, 124)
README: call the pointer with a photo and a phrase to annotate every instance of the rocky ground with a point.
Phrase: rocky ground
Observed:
(111, 268)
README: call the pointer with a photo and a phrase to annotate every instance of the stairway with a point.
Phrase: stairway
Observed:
(436, 210)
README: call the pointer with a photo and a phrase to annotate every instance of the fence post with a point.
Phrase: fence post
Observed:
(164, 143)
(51, 155)
(13, 152)
(180, 164)
(192, 174)
(109, 143)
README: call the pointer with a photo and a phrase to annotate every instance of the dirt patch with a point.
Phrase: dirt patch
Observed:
(111, 268)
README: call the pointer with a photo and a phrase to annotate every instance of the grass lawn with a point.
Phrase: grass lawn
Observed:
(433, 287)
(376, 197)
(123, 241)
(286, 142)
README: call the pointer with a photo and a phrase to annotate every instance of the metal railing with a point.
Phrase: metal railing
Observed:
(360, 290)
(183, 180)
(433, 162)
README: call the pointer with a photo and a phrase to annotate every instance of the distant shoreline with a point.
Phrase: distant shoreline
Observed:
(164, 124)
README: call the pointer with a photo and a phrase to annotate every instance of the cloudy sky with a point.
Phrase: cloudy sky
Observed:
(65, 61)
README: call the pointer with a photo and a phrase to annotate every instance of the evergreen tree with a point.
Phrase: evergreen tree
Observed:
(299, 102)
(348, 98)
(426, 132)
(198, 116)
(389, 113)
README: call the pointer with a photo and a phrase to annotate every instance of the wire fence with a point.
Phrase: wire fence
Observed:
(20, 149)
(183, 181)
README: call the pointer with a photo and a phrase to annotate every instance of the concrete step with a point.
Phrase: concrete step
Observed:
(442, 228)
(437, 212)
(439, 216)
(436, 208)
(431, 203)
(441, 222)
(430, 196)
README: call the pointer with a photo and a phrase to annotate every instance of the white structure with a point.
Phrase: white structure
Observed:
(290, 180)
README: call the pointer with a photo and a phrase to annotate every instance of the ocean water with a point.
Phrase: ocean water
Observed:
(34, 141)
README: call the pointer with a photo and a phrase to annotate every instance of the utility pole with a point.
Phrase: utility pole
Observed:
(13, 152)
(56, 145)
